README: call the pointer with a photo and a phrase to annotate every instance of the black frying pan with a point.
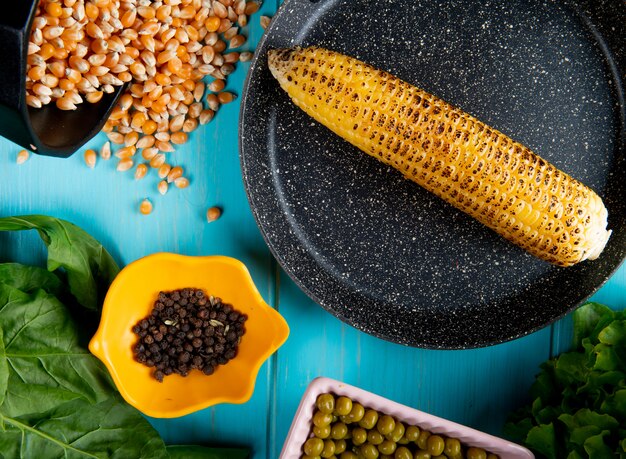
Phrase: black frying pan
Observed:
(378, 251)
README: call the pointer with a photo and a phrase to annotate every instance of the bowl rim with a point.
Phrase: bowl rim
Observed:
(300, 426)
(99, 349)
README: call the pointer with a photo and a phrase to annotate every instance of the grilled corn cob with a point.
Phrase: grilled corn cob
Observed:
(470, 165)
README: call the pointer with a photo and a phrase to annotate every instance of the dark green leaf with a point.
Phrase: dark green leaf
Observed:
(542, 439)
(596, 448)
(608, 358)
(586, 319)
(79, 429)
(42, 359)
(4, 370)
(614, 334)
(201, 452)
(89, 267)
(29, 278)
(615, 404)
(517, 428)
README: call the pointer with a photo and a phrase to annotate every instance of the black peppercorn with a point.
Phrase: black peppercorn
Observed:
(180, 333)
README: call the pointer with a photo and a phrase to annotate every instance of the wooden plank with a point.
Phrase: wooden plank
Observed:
(105, 203)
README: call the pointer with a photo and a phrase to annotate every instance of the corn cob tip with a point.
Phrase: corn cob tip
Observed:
(279, 61)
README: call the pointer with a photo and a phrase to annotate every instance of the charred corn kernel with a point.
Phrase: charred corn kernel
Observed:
(174, 173)
(213, 214)
(145, 207)
(90, 158)
(105, 151)
(181, 182)
(162, 187)
(477, 169)
(22, 157)
(124, 164)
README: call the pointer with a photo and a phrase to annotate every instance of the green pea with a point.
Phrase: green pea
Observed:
(325, 403)
(306, 456)
(422, 454)
(313, 447)
(348, 455)
(411, 433)
(403, 453)
(329, 449)
(338, 431)
(322, 419)
(387, 447)
(343, 405)
(385, 424)
(340, 446)
(397, 432)
(356, 413)
(369, 451)
(452, 448)
(374, 437)
(369, 419)
(322, 432)
(359, 436)
(422, 440)
(476, 453)
(435, 444)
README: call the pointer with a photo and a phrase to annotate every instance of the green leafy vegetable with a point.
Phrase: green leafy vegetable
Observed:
(89, 267)
(202, 452)
(578, 407)
(79, 429)
(56, 399)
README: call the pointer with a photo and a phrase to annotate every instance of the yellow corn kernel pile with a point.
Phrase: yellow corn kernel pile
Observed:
(164, 49)
(475, 168)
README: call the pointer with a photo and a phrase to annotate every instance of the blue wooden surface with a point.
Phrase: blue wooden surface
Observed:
(475, 387)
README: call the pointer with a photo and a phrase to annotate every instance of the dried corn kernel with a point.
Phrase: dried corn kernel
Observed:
(90, 158)
(213, 214)
(141, 171)
(145, 207)
(22, 156)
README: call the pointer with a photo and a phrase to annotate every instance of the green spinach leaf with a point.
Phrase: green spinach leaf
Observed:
(79, 429)
(29, 278)
(41, 358)
(89, 267)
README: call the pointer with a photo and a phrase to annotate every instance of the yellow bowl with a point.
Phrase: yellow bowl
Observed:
(131, 298)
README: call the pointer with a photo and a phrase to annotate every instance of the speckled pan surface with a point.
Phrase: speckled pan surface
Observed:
(378, 251)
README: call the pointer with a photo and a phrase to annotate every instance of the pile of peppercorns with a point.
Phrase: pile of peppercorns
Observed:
(187, 330)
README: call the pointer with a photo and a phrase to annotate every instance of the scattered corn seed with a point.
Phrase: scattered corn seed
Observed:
(213, 102)
(131, 139)
(179, 138)
(116, 137)
(217, 85)
(162, 187)
(145, 207)
(126, 152)
(164, 146)
(237, 41)
(265, 21)
(105, 151)
(181, 182)
(22, 156)
(145, 142)
(226, 97)
(164, 170)
(90, 158)
(245, 56)
(206, 116)
(157, 161)
(190, 125)
(124, 164)
(174, 173)
(149, 153)
(141, 171)
(213, 214)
